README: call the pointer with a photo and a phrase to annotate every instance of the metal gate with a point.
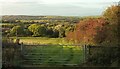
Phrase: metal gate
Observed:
(59, 55)
(52, 55)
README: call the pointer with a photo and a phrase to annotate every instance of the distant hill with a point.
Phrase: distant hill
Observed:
(37, 19)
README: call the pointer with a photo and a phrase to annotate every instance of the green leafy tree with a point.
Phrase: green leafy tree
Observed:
(61, 32)
(50, 32)
(42, 30)
(17, 30)
(27, 32)
(32, 27)
(56, 34)
(37, 30)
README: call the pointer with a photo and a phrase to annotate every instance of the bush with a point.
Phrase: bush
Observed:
(104, 56)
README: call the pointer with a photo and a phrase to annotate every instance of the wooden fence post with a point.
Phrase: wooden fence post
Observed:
(87, 52)
(21, 46)
(84, 48)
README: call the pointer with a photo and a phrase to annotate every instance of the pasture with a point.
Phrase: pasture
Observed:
(42, 40)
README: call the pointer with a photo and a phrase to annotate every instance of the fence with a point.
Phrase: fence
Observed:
(42, 55)
(61, 55)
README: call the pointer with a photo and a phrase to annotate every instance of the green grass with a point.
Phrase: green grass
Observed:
(42, 40)
(52, 55)
(49, 55)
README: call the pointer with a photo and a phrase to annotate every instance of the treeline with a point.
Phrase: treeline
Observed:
(38, 19)
(38, 30)
(54, 26)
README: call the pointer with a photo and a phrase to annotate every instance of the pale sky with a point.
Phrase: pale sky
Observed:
(55, 7)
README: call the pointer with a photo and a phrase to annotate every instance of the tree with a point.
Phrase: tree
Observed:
(56, 33)
(17, 30)
(103, 30)
(27, 32)
(50, 32)
(37, 30)
(61, 32)
(42, 30)
(86, 31)
(32, 27)
(113, 15)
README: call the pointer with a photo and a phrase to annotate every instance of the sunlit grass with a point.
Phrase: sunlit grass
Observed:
(42, 40)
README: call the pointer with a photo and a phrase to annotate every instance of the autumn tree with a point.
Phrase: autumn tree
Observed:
(112, 14)
(102, 30)
(86, 31)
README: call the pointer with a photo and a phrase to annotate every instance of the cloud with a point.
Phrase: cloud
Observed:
(59, 1)
(18, 0)
(42, 8)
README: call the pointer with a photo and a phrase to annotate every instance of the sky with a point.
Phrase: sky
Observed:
(55, 7)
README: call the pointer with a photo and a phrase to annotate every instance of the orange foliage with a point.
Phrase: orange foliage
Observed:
(87, 29)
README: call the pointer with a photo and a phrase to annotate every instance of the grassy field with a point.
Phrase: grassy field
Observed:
(52, 55)
(42, 40)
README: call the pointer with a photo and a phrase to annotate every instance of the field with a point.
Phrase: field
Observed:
(52, 55)
(49, 52)
(42, 40)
